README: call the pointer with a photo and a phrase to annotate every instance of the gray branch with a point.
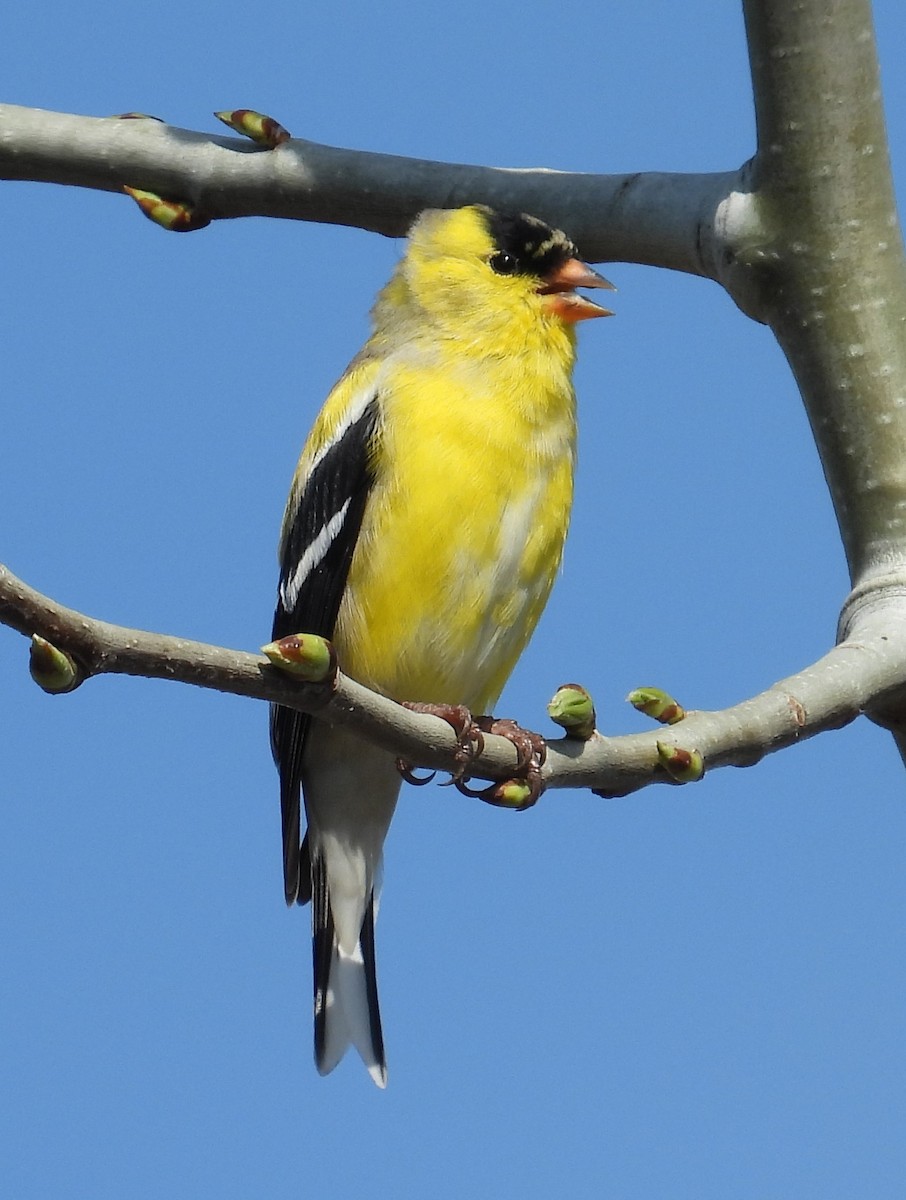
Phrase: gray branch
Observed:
(654, 218)
(827, 695)
(829, 269)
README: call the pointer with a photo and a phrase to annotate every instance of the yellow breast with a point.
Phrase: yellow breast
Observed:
(464, 529)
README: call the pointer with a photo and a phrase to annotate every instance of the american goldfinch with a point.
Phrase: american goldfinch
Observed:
(423, 531)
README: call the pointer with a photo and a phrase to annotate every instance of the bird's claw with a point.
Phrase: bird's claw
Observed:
(530, 747)
(526, 785)
(406, 770)
(520, 791)
(469, 738)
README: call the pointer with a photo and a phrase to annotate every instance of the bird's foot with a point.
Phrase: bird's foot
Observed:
(470, 740)
(524, 788)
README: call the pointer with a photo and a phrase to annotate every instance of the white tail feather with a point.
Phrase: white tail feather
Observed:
(347, 1021)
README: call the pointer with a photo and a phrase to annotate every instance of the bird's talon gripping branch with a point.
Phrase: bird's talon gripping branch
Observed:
(470, 740)
(530, 747)
(525, 787)
(656, 703)
(305, 656)
(53, 670)
(517, 794)
(408, 773)
(264, 131)
(172, 215)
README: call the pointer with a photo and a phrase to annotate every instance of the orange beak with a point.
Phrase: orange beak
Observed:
(561, 298)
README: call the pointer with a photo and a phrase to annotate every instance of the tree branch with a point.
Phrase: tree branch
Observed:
(656, 218)
(829, 264)
(825, 696)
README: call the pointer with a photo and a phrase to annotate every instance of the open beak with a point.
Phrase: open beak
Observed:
(558, 288)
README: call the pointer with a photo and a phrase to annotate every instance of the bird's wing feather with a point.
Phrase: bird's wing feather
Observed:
(320, 530)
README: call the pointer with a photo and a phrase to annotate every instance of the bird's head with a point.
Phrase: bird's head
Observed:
(474, 272)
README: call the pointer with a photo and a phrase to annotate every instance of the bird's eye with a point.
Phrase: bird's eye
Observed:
(503, 264)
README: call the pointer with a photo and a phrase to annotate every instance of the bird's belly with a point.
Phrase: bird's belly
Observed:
(443, 605)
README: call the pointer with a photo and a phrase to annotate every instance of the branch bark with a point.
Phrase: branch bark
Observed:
(830, 265)
(827, 695)
(655, 218)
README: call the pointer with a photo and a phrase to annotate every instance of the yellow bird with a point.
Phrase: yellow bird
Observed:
(424, 528)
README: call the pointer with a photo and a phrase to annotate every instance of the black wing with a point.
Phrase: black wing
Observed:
(317, 549)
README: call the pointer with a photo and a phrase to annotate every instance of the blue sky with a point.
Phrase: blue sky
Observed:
(688, 993)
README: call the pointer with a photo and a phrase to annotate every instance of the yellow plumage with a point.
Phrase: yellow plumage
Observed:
(455, 588)
(465, 401)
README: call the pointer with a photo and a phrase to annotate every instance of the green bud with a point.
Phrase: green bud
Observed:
(513, 793)
(171, 215)
(685, 766)
(52, 670)
(572, 708)
(655, 702)
(264, 131)
(305, 656)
